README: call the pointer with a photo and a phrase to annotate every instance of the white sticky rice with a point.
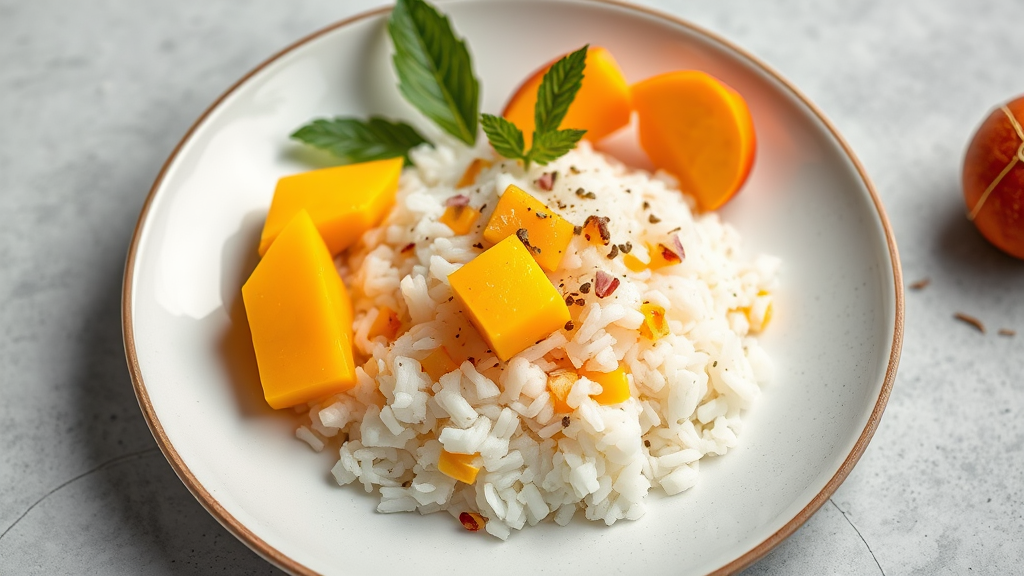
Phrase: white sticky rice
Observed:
(689, 389)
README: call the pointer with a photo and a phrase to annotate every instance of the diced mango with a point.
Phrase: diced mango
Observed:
(508, 298)
(595, 230)
(662, 256)
(559, 384)
(459, 218)
(458, 466)
(759, 314)
(614, 384)
(344, 201)
(548, 233)
(655, 324)
(438, 363)
(634, 263)
(699, 130)
(300, 317)
(472, 171)
(602, 105)
(387, 324)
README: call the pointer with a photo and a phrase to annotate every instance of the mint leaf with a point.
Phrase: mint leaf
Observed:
(548, 146)
(558, 89)
(434, 70)
(504, 136)
(353, 140)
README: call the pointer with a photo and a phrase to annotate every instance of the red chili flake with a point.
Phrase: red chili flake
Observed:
(678, 244)
(569, 301)
(569, 326)
(472, 521)
(408, 247)
(457, 201)
(605, 284)
(668, 254)
(546, 181)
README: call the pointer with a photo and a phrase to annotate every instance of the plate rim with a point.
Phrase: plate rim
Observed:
(287, 563)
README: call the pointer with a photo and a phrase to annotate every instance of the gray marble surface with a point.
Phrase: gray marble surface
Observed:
(94, 95)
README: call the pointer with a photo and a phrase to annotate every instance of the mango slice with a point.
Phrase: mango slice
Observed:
(300, 317)
(344, 201)
(438, 363)
(508, 298)
(387, 324)
(699, 130)
(559, 385)
(458, 466)
(548, 233)
(459, 218)
(655, 324)
(602, 105)
(614, 384)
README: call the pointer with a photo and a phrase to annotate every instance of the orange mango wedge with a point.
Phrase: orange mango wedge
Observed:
(601, 107)
(699, 130)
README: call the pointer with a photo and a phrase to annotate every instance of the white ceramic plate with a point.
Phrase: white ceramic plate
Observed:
(836, 336)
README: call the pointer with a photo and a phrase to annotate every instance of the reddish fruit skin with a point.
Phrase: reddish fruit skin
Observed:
(995, 144)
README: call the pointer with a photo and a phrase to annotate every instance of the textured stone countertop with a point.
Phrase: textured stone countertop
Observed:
(94, 95)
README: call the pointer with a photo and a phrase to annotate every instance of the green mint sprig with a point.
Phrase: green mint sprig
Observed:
(435, 75)
(557, 91)
(353, 140)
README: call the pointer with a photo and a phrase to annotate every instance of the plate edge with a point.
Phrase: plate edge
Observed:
(288, 564)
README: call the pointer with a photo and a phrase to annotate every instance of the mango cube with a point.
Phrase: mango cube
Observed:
(459, 218)
(559, 385)
(508, 298)
(458, 466)
(614, 384)
(548, 233)
(343, 201)
(300, 317)
(655, 324)
(438, 363)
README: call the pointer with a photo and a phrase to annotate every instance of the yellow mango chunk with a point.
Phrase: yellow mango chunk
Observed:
(459, 218)
(508, 298)
(559, 384)
(655, 324)
(387, 324)
(458, 466)
(662, 256)
(344, 201)
(614, 384)
(602, 105)
(438, 363)
(633, 263)
(472, 171)
(548, 233)
(300, 317)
